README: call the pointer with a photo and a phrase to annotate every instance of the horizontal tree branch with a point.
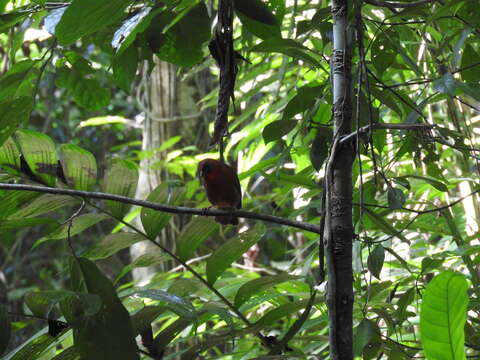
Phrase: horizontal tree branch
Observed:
(381, 126)
(164, 208)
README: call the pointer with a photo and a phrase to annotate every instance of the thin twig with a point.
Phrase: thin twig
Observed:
(163, 208)
(382, 126)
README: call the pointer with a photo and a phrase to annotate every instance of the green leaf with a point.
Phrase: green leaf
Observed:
(193, 235)
(79, 224)
(385, 226)
(144, 260)
(383, 52)
(288, 47)
(255, 10)
(7, 225)
(375, 260)
(79, 167)
(396, 198)
(19, 80)
(231, 251)
(10, 19)
(112, 244)
(108, 335)
(177, 304)
(70, 353)
(11, 200)
(442, 317)
(362, 335)
(284, 310)
(124, 67)
(154, 221)
(435, 183)
(167, 335)
(182, 43)
(10, 157)
(405, 299)
(42, 205)
(304, 100)
(277, 129)
(38, 150)
(5, 329)
(102, 120)
(90, 94)
(32, 349)
(84, 17)
(13, 113)
(41, 303)
(255, 286)
(470, 58)
(121, 178)
(258, 23)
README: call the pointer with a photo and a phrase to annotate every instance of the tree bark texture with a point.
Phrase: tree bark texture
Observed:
(338, 233)
(159, 103)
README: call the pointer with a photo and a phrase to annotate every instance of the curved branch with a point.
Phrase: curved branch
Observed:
(164, 208)
(397, 5)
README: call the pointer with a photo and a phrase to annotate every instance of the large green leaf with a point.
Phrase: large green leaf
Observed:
(375, 260)
(442, 317)
(363, 334)
(257, 18)
(79, 224)
(4, 329)
(32, 349)
(182, 43)
(108, 335)
(193, 235)
(38, 150)
(42, 302)
(290, 48)
(112, 244)
(13, 113)
(41, 205)
(79, 167)
(154, 221)
(177, 304)
(227, 253)
(19, 80)
(12, 200)
(255, 286)
(84, 17)
(277, 129)
(121, 178)
(10, 157)
(284, 310)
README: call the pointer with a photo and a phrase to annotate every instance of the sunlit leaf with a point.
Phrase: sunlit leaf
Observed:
(121, 178)
(112, 244)
(256, 286)
(84, 17)
(79, 224)
(39, 152)
(79, 167)
(230, 251)
(442, 317)
(193, 235)
(154, 221)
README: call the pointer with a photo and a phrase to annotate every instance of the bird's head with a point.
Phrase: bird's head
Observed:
(206, 166)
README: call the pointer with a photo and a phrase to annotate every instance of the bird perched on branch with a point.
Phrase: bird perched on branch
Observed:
(222, 186)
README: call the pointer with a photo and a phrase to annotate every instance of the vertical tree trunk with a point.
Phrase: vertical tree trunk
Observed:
(160, 96)
(338, 233)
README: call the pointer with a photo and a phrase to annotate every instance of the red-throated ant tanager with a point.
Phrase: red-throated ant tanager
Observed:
(222, 186)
